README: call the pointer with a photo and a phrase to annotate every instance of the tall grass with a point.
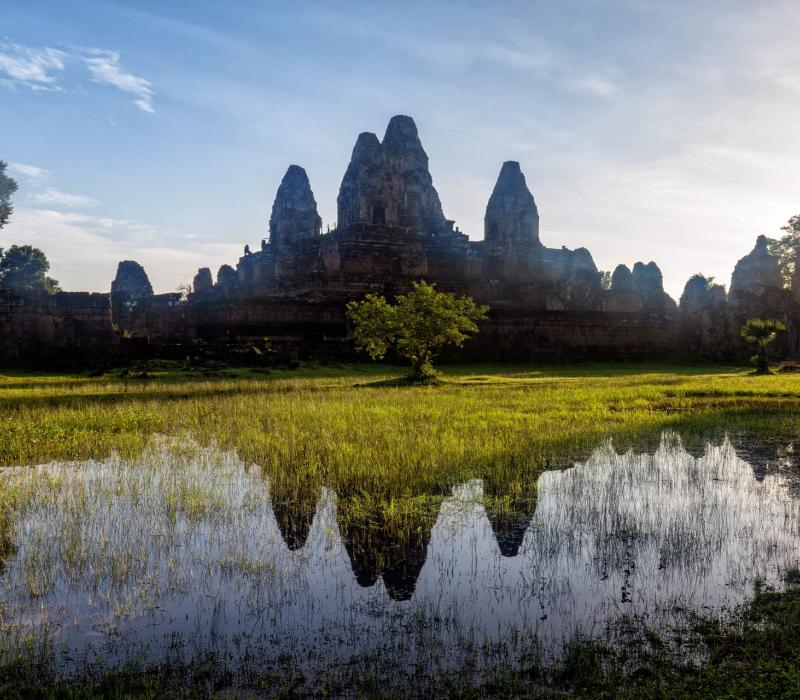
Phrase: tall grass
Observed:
(391, 453)
(385, 447)
(346, 430)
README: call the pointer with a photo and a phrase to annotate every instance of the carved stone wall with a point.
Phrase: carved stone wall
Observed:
(546, 303)
(313, 328)
(37, 327)
(704, 330)
(158, 319)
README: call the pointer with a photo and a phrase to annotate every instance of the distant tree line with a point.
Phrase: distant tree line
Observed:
(21, 266)
(7, 188)
(787, 249)
(26, 267)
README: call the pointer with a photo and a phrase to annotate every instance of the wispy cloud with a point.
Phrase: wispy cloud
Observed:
(54, 197)
(36, 68)
(105, 69)
(517, 59)
(130, 230)
(43, 68)
(595, 86)
(66, 236)
(31, 172)
(35, 179)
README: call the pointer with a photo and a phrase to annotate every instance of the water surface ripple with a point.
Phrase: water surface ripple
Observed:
(186, 552)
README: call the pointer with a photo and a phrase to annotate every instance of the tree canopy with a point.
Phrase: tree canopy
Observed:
(416, 327)
(8, 187)
(25, 267)
(787, 248)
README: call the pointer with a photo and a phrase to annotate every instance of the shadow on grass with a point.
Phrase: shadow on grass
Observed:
(588, 369)
(166, 394)
(402, 382)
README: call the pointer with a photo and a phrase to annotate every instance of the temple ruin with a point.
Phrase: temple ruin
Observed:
(546, 303)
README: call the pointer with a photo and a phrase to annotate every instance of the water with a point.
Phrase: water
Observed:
(185, 553)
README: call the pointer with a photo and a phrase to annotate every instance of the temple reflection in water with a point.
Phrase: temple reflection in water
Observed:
(637, 529)
(395, 550)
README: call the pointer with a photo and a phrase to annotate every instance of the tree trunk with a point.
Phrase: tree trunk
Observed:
(762, 366)
(422, 368)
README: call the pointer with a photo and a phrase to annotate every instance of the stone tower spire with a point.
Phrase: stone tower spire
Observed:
(388, 183)
(512, 220)
(131, 281)
(361, 185)
(756, 271)
(294, 214)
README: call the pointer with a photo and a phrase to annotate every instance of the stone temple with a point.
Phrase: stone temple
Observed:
(392, 230)
(546, 303)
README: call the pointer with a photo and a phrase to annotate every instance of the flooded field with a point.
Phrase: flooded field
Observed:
(188, 553)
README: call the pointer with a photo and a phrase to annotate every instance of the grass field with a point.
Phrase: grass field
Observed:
(351, 429)
(348, 426)
(387, 448)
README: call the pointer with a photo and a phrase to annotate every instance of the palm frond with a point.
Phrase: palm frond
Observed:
(761, 331)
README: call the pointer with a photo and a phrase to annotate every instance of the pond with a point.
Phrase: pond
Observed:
(187, 553)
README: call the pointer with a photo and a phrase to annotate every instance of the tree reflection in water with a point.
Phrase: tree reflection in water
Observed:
(119, 559)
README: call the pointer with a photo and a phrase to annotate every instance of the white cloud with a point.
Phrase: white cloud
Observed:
(42, 68)
(31, 172)
(54, 197)
(105, 69)
(36, 68)
(49, 196)
(67, 236)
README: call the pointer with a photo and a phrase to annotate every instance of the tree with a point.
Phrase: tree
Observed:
(184, 289)
(605, 278)
(416, 327)
(761, 332)
(25, 267)
(7, 187)
(787, 248)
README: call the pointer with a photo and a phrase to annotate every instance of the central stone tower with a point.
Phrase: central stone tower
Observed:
(388, 183)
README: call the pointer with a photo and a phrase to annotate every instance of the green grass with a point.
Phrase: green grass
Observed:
(755, 656)
(389, 450)
(343, 427)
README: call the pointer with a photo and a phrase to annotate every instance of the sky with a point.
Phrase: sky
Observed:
(647, 130)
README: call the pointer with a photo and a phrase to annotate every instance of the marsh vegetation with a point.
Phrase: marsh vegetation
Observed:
(509, 528)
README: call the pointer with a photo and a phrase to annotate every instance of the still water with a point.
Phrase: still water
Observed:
(185, 552)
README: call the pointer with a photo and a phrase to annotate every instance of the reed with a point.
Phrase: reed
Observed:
(346, 429)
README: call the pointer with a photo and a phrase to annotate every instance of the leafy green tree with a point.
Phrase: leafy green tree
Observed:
(25, 267)
(416, 327)
(7, 188)
(761, 333)
(787, 248)
(605, 278)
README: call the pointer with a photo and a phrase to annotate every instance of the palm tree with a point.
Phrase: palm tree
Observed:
(761, 332)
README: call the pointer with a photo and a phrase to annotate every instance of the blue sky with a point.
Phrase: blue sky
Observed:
(666, 131)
